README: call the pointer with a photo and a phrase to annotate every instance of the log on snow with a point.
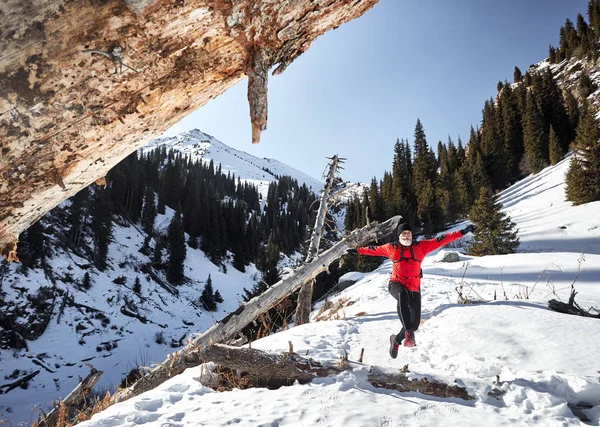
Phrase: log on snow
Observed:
(400, 382)
(24, 380)
(574, 309)
(263, 368)
(74, 398)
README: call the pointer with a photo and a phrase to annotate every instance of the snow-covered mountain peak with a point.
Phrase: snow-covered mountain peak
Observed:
(198, 145)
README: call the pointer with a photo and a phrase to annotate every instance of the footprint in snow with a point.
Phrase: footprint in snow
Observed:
(151, 405)
(179, 388)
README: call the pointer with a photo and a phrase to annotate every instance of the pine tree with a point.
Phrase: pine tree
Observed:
(556, 153)
(148, 212)
(375, 202)
(31, 247)
(137, 286)
(552, 54)
(207, 299)
(269, 263)
(594, 17)
(494, 232)
(160, 206)
(576, 183)
(492, 145)
(583, 185)
(586, 86)
(573, 116)
(479, 177)
(430, 211)
(583, 34)
(423, 169)
(517, 75)
(102, 227)
(512, 134)
(177, 251)
(78, 215)
(86, 283)
(535, 138)
(218, 297)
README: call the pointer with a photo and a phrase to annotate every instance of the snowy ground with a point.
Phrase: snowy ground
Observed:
(545, 360)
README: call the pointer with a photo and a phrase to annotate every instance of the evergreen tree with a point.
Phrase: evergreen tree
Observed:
(207, 299)
(430, 211)
(594, 17)
(158, 252)
(218, 298)
(350, 219)
(148, 212)
(268, 264)
(552, 54)
(535, 138)
(78, 215)
(512, 134)
(423, 168)
(177, 251)
(517, 75)
(137, 286)
(492, 145)
(101, 226)
(86, 283)
(160, 206)
(375, 202)
(556, 153)
(30, 249)
(479, 177)
(583, 185)
(573, 117)
(576, 183)
(586, 86)
(583, 34)
(494, 232)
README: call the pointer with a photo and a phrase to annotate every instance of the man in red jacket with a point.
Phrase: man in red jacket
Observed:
(405, 280)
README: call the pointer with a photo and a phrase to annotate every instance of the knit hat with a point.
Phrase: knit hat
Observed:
(404, 227)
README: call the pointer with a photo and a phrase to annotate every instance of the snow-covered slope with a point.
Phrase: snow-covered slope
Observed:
(95, 325)
(260, 172)
(547, 362)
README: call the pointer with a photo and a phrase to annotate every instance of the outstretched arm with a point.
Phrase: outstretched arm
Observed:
(438, 242)
(382, 250)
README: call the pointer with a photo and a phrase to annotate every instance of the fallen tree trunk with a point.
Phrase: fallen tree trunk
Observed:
(73, 399)
(24, 380)
(400, 382)
(571, 307)
(262, 368)
(247, 313)
(563, 307)
(269, 369)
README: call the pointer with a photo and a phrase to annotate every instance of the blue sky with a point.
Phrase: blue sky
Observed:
(360, 87)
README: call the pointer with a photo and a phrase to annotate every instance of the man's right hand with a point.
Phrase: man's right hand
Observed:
(351, 251)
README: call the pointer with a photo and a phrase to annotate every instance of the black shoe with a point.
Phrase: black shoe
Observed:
(393, 347)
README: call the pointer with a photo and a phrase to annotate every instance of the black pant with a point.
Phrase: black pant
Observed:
(409, 308)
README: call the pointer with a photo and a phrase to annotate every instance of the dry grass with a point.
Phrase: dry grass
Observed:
(333, 312)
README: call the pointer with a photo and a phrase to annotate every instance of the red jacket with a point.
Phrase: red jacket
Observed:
(407, 260)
